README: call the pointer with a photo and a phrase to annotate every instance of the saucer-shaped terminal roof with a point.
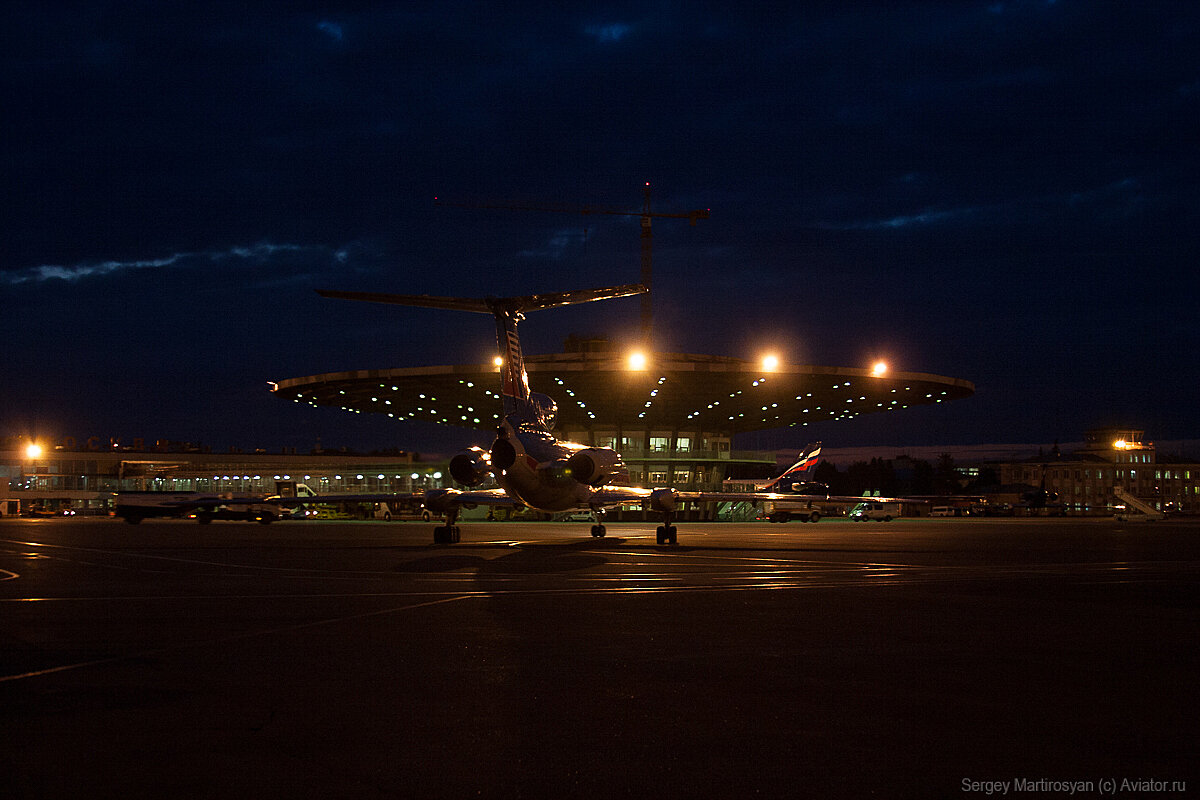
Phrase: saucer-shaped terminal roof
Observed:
(603, 390)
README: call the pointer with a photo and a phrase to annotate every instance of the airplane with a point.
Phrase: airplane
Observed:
(531, 466)
(1041, 499)
(801, 509)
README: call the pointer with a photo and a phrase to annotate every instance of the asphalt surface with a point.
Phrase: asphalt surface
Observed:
(917, 658)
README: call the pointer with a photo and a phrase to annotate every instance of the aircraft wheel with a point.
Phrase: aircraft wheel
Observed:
(887, 519)
(204, 519)
(672, 534)
(425, 516)
(660, 535)
(814, 516)
(445, 534)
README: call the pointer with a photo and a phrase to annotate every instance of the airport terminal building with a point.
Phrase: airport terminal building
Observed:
(672, 417)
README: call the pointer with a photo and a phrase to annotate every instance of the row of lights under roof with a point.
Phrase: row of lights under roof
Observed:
(380, 476)
(306, 477)
(732, 395)
(818, 408)
(653, 393)
(879, 370)
(419, 410)
(571, 394)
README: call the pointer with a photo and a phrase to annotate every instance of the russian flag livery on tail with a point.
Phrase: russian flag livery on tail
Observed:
(796, 473)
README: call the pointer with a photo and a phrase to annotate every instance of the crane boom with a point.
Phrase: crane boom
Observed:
(647, 236)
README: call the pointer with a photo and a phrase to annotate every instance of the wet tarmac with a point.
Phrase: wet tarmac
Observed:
(917, 658)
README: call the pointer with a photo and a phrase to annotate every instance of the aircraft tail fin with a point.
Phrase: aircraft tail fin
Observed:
(806, 461)
(508, 311)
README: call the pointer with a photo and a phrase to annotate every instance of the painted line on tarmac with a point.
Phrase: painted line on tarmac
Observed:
(176, 559)
(227, 639)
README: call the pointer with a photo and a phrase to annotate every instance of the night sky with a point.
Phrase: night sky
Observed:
(1004, 192)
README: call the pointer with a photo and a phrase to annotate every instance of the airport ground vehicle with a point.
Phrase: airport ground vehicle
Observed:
(785, 511)
(865, 512)
(389, 511)
(246, 512)
(949, 511)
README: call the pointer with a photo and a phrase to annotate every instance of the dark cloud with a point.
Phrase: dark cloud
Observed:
(1002, 192)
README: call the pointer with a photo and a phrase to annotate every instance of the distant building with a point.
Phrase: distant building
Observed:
(1085, 480)
(85, 477)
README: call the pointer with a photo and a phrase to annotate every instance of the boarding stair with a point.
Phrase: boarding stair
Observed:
(1136, 509)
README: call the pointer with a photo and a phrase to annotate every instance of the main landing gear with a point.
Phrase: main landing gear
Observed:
(667, 533)
(448, 533)
(598, 530)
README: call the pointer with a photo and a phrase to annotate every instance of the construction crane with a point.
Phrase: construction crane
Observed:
(647, 236)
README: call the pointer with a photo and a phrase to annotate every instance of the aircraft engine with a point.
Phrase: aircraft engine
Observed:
(439, 501)
(664, 500)
(471, 467)
(595, 466)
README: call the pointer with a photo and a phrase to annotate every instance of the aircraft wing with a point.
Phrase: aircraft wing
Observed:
(838, 498)
(318, 499)
(628, 495)
(438, 500)
(781, 497)
(620, 495)
(441, 499)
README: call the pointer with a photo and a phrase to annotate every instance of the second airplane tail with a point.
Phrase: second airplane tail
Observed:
(805, 462)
